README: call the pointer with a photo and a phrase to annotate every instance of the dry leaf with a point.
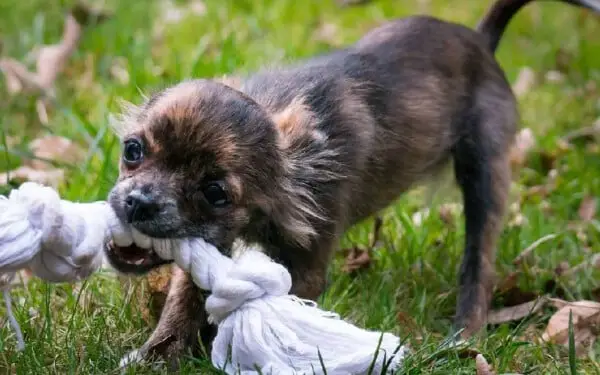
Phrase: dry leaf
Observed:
(150, 292)
(119, 71)
(524, 82)
(557, 303)
(585, 134)
(52, 177)
(54, 148)
(407, 322)
(448, 212)
(524, 142)
(357, 259)
(48, 148)
(554, 76)
(586, 318)
(482, 366)
(509, 282)
(328, 33)
(50, 60)
(173, 13)
(587, 208)
(198, 7)
(518, 312)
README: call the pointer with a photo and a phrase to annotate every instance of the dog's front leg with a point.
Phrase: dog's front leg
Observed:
(181, 328)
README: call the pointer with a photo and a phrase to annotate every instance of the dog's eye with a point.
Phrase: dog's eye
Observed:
(132, 154)
(216, 195)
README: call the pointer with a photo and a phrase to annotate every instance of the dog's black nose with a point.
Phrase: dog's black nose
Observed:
(140, 206)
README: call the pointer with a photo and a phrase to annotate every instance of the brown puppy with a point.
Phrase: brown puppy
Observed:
(292, 157)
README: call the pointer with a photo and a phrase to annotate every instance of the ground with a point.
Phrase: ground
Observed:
(409, 287)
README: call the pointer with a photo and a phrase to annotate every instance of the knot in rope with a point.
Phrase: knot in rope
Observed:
(253, 275)
(233, 282)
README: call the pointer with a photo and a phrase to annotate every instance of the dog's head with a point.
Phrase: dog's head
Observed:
(198, 159)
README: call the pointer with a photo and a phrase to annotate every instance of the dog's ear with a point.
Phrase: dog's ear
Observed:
(295, 124)
(298, 211)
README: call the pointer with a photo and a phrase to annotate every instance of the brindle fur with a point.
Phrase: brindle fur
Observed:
(309, 150)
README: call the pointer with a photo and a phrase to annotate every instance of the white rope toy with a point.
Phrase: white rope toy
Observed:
(260, 326)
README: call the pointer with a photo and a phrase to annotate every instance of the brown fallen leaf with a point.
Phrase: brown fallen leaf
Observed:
(172, 13)
(119, 71)
(517, 312)
(586, 319)
(328, 33)
(508, 282)
(584, 134)
(357, 259)
(524, 142)
(557, 303)
(448, 212)
(524, 82)
(554, 76)
(587, 208)
(482, 366)
(150, 292)
(54, 148)
(50, 61)
(407, 322)
(52, 177)
(40, 169)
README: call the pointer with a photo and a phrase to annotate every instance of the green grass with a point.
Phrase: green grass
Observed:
(86, 328)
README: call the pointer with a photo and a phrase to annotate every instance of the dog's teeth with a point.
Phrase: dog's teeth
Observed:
(138, 262)
(122, 239)
(141, 240)
(162, 248)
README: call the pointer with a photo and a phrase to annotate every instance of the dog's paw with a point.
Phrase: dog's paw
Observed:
(139, 357)
(133, 357)
(157, 353)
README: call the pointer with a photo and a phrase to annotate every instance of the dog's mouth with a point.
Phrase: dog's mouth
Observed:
(133, 258)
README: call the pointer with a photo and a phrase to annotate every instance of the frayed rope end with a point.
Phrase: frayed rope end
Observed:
(6, 280)
(285, 335)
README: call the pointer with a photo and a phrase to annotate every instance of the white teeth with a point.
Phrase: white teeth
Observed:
(141, 240)
(123, 238)
(162, 248)
(138, 262)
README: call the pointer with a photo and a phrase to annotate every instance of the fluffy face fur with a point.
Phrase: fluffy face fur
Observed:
(212, 163)
(290, 158)
(200, 140)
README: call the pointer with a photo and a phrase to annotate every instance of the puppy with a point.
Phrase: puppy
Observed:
(290, 158)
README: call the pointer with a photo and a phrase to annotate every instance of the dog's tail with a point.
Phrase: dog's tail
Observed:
(499, 15)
